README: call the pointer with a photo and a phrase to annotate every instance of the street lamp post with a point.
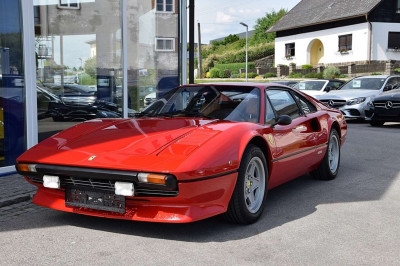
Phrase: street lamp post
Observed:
(247, 29)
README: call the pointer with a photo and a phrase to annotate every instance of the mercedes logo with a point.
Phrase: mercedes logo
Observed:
(331, 103)
(388, 104)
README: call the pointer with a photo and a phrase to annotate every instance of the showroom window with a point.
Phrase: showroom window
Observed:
(165, 5)
(290, 49)
(345, 42)
(165, 44)
(394, 40)
(70, 4)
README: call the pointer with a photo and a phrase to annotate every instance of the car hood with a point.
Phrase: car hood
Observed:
(347, 94)
(136, 144)
(393, 95)
(313, 93)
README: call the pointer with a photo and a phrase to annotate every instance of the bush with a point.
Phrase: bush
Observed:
(269, 75)
(234, 67)
(235, 76)
(208, 75)
(258, 77)
(376, 74)
(331, 72)
(306, 67)
(295, 75)
(215, 73)
(249, 75)
(314, 76)
(397, 70)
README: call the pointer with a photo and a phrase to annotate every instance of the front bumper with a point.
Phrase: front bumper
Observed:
(196, 200)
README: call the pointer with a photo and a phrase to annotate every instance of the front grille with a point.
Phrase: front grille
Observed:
(107, 185)
(334, 103)
(383, 104)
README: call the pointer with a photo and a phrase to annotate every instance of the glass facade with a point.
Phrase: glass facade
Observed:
(81, 64)
(12, 113)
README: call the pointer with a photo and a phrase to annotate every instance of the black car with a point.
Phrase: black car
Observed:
(384, 108)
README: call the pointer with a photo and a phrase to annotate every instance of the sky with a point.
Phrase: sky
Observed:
(219, 18)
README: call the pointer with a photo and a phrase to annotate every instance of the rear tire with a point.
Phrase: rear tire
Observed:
(376, 123)
(329, 166)
(248, 198)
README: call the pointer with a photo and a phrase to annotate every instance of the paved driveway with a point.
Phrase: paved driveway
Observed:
(352, 220)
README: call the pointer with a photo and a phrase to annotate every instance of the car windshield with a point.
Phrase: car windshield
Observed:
(310, 85)
(233, 103)
(364, 84)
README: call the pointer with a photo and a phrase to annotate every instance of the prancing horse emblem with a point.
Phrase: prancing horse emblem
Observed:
(91, 158)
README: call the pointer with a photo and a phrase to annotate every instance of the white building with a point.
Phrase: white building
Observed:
(338, 32)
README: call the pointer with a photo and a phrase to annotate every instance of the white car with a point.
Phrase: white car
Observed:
(150, 98)
(318, 86)
(353, 97)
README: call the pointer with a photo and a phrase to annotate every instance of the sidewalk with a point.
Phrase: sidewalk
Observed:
(14, 189)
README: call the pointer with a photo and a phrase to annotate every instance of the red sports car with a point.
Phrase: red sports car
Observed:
(200, 151)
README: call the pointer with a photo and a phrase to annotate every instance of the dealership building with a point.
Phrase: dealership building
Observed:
(66, 61)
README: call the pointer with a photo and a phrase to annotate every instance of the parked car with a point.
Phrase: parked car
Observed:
(385, 108)
(353, 97)
(150, 98)
(289, 83)
(318, 87)
(200, 151)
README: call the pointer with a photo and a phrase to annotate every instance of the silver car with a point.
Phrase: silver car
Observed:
(353, 97)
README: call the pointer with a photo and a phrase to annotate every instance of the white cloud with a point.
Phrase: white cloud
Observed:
(223, 18)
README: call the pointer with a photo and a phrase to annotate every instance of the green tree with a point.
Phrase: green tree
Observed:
(263, 24)
(91, 66)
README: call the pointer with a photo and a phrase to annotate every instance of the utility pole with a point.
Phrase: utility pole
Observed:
(191, 41)
(199, 52)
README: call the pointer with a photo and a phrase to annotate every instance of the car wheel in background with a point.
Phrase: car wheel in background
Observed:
(247, 202)
(329, 166)
(376, 123)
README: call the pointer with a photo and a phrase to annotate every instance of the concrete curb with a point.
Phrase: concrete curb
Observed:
(14, 200)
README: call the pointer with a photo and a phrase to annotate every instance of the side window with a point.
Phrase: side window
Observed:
(283, 103)
(305, 105)
(269, 112)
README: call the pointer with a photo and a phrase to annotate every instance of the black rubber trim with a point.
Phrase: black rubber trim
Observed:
(208, 177)
(299, 152)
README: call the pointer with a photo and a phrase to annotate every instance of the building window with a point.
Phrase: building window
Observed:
(165, 5)
(394, 40)
(165, 44)
(68, 4)
(345, 43)
(289, 48)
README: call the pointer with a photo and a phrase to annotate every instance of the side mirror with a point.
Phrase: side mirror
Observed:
(283, 120)
(328, 89)
(388, 88)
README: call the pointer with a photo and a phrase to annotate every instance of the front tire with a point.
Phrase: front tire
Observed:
(248, 198)
(329, 166)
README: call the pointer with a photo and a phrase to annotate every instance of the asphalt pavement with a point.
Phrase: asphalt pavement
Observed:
(352, 220)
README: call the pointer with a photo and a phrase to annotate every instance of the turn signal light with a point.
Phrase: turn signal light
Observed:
(152, 178)
(24, 167)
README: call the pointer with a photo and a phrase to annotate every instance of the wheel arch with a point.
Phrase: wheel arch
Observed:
(262, 144)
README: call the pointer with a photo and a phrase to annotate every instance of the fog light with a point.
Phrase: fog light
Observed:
(124, 189)
(152, 178)
(51, 181)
